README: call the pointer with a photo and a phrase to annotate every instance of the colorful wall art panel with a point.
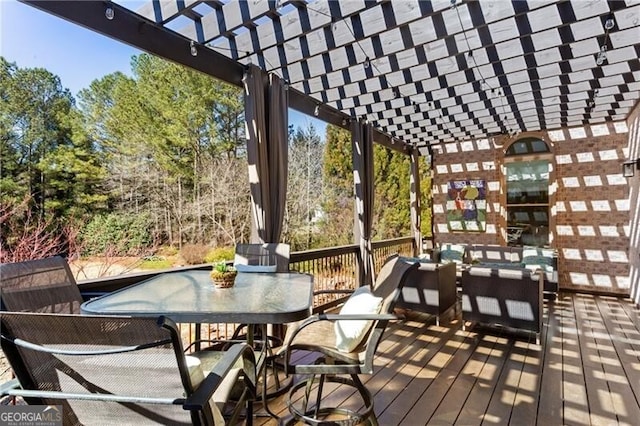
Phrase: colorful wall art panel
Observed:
(467, 205)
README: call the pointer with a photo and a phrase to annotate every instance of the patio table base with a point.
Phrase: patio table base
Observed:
(317, 415)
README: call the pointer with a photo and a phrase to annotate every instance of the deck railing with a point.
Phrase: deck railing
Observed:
(332, 268)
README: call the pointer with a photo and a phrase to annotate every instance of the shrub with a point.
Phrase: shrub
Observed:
(167, 251)
(118, 234)
(219, 254)
(194, 254)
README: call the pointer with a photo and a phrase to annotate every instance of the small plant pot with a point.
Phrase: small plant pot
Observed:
(223, 279)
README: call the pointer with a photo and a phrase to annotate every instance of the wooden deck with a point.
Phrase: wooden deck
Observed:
(586, 370)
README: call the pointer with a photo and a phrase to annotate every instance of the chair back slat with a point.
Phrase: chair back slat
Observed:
(43, 285)
(263, 255)
(157, 371)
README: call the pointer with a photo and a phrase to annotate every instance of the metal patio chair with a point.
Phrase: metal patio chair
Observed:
(260, 257)
(264, 258)
(122, 370)
(43, 285)
(318, 335)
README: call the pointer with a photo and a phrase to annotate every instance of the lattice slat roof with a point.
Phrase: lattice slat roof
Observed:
(431, 72)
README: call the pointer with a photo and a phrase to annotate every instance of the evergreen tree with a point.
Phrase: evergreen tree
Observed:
(336, 226)
(392, 214)
(305, 188)
(47, 157)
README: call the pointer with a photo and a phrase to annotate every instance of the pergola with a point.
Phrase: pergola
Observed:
(410, 75)
(422, 72)
(415, 75)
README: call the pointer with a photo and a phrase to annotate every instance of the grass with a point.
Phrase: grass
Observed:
(155, 263)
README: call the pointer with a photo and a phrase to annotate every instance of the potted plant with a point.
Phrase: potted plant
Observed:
(223, 275)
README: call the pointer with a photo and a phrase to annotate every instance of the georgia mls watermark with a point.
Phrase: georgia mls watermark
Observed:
(31, 415)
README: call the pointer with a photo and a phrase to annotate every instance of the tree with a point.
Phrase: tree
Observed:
(336, 225)
(166, 130)
(51, 171)
(392, 212)
(35, 110)
(304, 192)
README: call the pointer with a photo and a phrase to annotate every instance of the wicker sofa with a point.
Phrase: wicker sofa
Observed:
(505, 257)
(505, 297)
(430, 289)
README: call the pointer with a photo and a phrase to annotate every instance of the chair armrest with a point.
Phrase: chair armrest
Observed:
(10, 385)
(333, 291)
(201, 396)
(357, 317)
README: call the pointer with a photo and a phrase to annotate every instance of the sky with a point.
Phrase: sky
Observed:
(35, 39)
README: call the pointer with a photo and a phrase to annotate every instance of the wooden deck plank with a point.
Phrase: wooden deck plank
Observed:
(575, 408)
(621, 366)
(413, 376)
(467, 375)
(503, 395)
(527, 393)
(599, 400)
(463, 367)
(432, 396)
(550, 406)
(586, 371)
(479, 396)
(633, 311)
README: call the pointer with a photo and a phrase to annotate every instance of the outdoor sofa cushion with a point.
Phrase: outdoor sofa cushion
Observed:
(452, 253)
(534, 258)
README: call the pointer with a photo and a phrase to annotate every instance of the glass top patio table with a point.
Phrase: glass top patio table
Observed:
(190, 296)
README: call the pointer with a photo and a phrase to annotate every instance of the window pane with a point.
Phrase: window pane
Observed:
(528, 182)
(528, 203)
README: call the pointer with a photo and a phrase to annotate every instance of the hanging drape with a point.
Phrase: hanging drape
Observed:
(414, 199)
(362, 144)
(266, 115)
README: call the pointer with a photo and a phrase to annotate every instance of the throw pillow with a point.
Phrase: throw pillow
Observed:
(534, 258)
(452, 253)
(350, 333)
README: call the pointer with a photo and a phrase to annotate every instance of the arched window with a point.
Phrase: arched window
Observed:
(527, 167)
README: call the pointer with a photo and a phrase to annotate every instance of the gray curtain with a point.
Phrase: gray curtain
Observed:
(362, 144)
(414, 199)
(266, 115)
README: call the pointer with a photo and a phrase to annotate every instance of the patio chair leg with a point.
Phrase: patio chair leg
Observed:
(307, 392)
(319, 398)
(318, 415)
(249, 420)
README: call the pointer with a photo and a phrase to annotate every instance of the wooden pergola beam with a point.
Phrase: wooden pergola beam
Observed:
(134, 30)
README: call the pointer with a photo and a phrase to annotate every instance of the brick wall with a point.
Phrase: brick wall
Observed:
(466, 160)
(634, 206)
(589, 201)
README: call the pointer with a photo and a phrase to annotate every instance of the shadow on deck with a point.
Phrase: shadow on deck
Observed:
(586, 371)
